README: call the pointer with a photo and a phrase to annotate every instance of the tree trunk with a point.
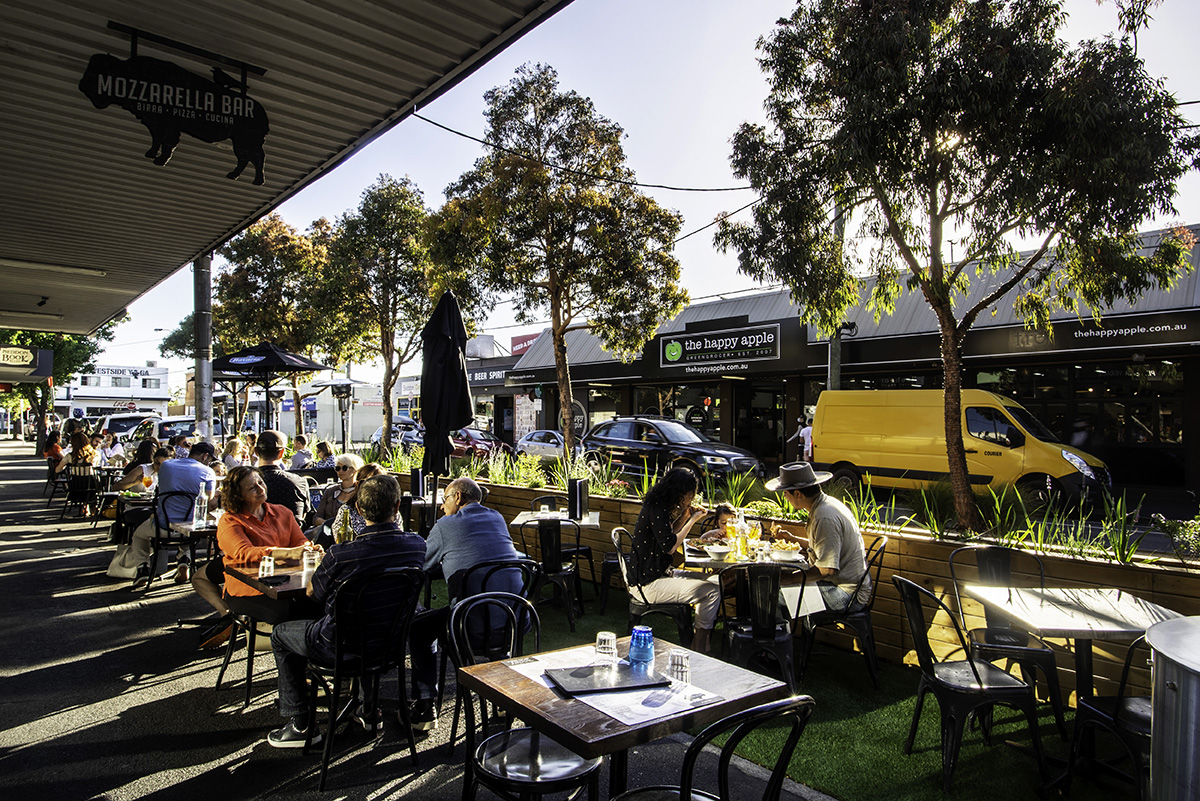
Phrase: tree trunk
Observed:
(388, 351)
(298, 412)
(36, 395)
(965, 508)
(562, 371)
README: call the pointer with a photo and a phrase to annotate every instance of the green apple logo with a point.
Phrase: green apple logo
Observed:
(673, 350)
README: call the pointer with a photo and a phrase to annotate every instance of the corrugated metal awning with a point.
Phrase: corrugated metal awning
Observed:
(78, 192)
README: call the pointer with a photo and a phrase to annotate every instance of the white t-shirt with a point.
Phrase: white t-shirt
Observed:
(806, 435)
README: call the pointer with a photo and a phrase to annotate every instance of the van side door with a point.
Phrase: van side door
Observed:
(993, 445)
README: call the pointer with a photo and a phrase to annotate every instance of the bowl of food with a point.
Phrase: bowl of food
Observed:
(717, 550)
(695, 544)
(786, 551)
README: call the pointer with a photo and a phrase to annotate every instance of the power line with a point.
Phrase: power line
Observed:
(572, 171)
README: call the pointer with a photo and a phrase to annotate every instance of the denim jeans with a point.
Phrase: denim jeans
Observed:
(836, 599)
(290, 642)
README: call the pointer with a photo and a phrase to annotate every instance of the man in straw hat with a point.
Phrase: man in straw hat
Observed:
(836, 550)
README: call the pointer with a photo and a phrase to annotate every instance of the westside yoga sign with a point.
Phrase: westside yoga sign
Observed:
(753, 343)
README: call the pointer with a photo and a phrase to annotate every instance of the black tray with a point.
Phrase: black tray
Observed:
(601, 679)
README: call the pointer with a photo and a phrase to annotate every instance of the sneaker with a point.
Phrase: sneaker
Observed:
(142, 580)
(290, 735)
(372, 724)
(423, 714)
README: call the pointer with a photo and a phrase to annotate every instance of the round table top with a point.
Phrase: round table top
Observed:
(1177, 639)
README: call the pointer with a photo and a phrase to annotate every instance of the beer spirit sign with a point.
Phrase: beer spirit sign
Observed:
(170, 101)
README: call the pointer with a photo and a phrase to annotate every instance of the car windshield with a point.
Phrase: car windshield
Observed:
(679, 432)
(1031, 424)
(122, 426)
(176, 428)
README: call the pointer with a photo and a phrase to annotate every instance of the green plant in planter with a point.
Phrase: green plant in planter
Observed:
(471, 466)
(567, 467)
(524, 471)
(741, 488)
(867, 509)
(616, 488)
(775, 507)
(1119, 529)
(1184, 534)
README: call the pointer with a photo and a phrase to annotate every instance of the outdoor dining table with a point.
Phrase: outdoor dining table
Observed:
(1082, 614)
(591, 522)
(286, 583)
(797, 603)
(633, 717)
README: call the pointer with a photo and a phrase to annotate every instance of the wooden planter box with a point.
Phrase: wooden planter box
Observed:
(914, 554)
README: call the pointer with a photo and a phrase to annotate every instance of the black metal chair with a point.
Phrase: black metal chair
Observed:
(54, 480)
(576, 551)
(372, 613)
(963, 687)
(249, 625)
(761, 623)
(164, 537)
(639, 605)
(83, 489)
(857, 618)
(557, 568)
(516, 764)
(499, 575)
(1000, 639)
(794, 711)
(1127, 717)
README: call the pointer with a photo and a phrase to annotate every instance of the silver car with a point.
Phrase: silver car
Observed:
(546, 445)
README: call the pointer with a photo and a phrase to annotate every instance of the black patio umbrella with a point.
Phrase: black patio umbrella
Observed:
(445, 396)
(265, 364)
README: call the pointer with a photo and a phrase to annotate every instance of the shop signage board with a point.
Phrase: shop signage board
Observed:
(170, 100)
(716, 348)
(12, 356)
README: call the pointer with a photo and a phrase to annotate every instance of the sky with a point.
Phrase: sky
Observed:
(679, 76)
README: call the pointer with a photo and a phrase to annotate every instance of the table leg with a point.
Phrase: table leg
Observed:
(618, 773)
(1084, 677)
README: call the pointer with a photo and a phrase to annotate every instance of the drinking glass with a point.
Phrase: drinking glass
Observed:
(606, 649)
(679, 665)
(148, 480)
(545, 510)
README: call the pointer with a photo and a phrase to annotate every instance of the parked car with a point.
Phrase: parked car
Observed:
(163, 428)
(406, 433)
(641, 443)
(120, 425)
(545, 444)
(477, 442)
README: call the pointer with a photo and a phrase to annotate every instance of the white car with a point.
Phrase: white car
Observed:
(546, 445)
(120, 425)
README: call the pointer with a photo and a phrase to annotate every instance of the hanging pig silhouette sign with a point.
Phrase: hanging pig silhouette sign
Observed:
(170, 101)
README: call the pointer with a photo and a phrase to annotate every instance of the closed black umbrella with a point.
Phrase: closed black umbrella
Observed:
(445, 394)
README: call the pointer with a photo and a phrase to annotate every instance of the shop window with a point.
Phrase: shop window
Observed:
(120, 381)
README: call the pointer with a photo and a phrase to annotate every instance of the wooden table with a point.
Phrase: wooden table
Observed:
(1082, 614)
(591, 733)
(293, 585)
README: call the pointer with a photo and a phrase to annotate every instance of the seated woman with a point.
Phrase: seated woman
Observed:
(250, 529)
(143, 475)
(82, 453)
(53, 449)
(338, 495)
(231, 456)
(666, 518)
(349, 523)
(325, 456)
(112, 453)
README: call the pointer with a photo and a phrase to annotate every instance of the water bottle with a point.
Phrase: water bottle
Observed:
(200, 510)
(641, 647)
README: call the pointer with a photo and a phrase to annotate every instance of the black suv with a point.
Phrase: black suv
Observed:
(639, 443)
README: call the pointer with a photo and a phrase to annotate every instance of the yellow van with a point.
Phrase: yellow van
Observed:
(897, 438)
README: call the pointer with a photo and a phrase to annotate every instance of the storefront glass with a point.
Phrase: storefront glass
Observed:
(602, 404)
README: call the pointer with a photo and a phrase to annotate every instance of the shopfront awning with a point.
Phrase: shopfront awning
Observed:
(90, 223)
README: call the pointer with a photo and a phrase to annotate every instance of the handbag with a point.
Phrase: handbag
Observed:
(123, 564)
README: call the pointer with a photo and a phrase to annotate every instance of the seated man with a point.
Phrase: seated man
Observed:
(468, 534)
(284, 488)
(381, 545)
(302, 456)
(174, 475)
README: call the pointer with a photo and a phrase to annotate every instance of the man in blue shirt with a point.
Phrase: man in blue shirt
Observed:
(468, 534)
(175, 475)
(381, 545)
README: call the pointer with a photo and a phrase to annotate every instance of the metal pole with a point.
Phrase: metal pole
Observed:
(834, 378)
(202, 287)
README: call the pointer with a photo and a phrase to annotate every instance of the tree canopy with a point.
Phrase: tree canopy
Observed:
(957, 124)
(548, 217)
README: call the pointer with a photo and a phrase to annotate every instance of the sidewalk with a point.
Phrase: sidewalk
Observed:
(105, 696)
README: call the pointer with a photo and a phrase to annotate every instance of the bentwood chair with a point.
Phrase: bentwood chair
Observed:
(517, 763)
(519, 576)
(793, 712)
(856, 617)
(371, 614)
(164, 538)
(54, 480)
(639, 605)
(760, 624)
(999, 639)
(574, 551)
(1127, 717)
(962, 688)
(83, 489)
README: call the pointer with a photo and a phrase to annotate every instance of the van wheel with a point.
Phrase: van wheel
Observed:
(1035, 493)
(844, 482)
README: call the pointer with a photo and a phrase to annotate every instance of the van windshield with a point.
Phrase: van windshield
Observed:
(1031, 424)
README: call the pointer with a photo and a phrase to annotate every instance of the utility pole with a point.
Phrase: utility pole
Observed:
(833, 379)
(202, 330)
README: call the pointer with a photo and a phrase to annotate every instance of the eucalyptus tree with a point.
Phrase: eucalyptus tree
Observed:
(957, 121)
(550, 217)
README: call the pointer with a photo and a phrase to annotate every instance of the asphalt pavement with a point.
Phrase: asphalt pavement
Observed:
(106, 696)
